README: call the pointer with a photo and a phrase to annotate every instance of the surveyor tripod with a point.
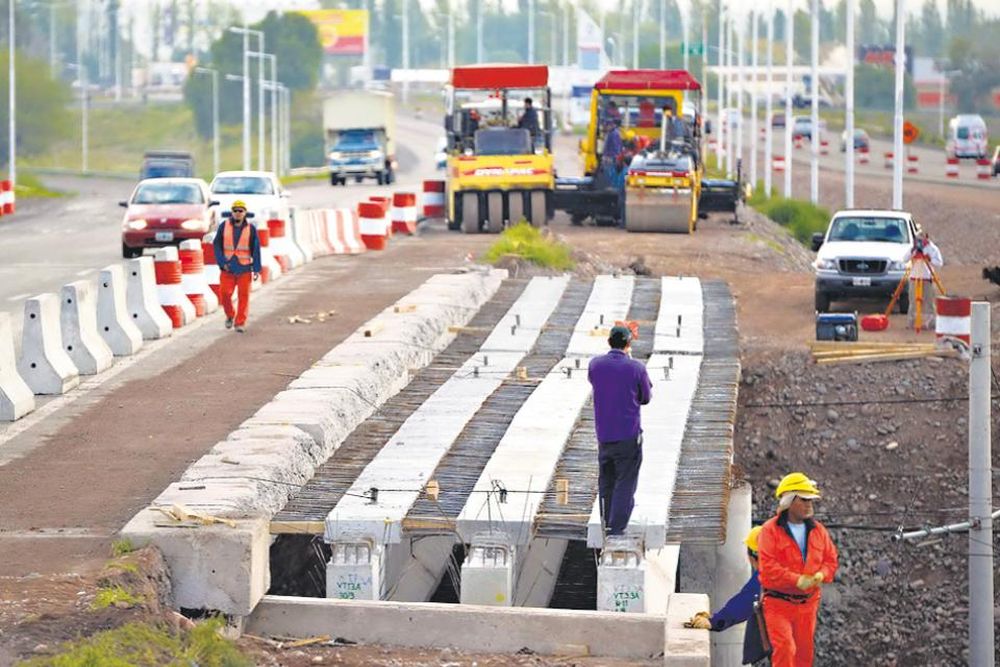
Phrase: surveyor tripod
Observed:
(918, 288)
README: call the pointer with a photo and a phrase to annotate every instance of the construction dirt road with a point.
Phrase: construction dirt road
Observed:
(79, 475)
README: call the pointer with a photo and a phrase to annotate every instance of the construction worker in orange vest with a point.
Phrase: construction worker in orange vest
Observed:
(237, 252)
(796, 557)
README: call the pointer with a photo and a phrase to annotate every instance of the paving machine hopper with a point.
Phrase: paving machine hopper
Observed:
(660, 185)
(499, 168)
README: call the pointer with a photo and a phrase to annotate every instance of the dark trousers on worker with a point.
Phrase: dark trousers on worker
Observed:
(618, 476)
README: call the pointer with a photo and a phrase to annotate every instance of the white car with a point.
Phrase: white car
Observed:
(260, 190)
(864, 253)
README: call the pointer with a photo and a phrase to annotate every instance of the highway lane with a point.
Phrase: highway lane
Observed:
(51, 242)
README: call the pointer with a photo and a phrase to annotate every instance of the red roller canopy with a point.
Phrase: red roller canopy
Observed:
(648, 79)
(490, 77)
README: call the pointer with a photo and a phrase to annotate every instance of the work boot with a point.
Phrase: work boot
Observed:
(240, 328)
(229, 323)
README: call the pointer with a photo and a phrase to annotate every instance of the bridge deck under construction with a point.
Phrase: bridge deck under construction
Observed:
(696, 481)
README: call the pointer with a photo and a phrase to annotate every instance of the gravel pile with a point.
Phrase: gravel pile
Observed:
(882, 462)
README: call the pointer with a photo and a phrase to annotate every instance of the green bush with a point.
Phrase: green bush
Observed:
(801, 218)
(526, 242)
(145, 645)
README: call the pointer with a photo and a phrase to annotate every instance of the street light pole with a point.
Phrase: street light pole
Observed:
(451, 34)
(479, 33)
(81, 78)
(406, 50)
(741, 31)
(769, 91)
(12, 86)
(685, 24)
(849, 110)
(789, 61)
(720, 149)
(663, 35)
(754, 137)
(246, 32)
(897, 149)
(635, 33)
(814, 135)
(531, 31)
(215, 113)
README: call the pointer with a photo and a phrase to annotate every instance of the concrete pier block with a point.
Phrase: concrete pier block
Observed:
(488, 573)
(113, 320)
(142, 302)
(685, 647)
(211, 566)
(44, 364)
(355, 571)
(621, 576)
(78, 325)
(16, 398)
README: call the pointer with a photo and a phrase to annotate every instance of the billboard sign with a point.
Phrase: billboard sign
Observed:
(342, 32)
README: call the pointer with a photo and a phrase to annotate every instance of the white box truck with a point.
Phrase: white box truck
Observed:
(360, 131)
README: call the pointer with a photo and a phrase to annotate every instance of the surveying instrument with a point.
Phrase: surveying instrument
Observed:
(919, 257)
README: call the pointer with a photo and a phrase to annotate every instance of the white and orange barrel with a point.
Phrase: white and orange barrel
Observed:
(824, 147)
(798, 141)
(404, 213)
(888, 160)
(951, 167)
(778, 162)
(269, 267)
(912, 164)
(374, 231)
(7, 196)
(212, 272)
(386, 203)
(279, 244)
(322, 231)
(984, 171)
(863, 156)
(433, 199)
(193, 283)
(954, 318)
(174, 301)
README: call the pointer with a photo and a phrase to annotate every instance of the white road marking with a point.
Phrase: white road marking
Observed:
(18, 297)
(84, 272)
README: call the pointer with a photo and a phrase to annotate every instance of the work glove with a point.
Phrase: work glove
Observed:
(700, 621)
(805, 582)
(818, 578)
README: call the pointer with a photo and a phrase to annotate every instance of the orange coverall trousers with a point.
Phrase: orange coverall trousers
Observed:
(791, 628)
(228, 282)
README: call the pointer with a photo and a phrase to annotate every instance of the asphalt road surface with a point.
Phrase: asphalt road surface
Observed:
(51, 242)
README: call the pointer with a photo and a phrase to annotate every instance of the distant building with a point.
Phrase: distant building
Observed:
(931, 84)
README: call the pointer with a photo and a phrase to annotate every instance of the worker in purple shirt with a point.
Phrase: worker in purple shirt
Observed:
(620, 386)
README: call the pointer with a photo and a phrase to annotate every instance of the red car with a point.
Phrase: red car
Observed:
(166, 211)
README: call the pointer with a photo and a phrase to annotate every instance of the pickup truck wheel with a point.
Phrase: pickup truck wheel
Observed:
(822, 302)
(334, 180)
(358, 179)
(130, 253)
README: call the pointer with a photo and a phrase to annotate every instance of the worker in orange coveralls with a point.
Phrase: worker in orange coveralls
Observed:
(237, 252)
(796, 557)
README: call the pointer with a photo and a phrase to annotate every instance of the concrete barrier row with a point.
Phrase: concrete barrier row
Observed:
(225, 567)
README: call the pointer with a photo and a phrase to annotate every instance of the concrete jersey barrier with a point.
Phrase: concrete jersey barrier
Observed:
(44, 364)
(140, 297)
(16, 397)
(113, 321)
(78, 325)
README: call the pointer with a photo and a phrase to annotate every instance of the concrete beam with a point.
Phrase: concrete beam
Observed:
(464, 627)
(680, 321)
(609, 302)
(537, 572)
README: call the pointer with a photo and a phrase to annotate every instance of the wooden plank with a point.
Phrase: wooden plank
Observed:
(297, 527)
(887, 357)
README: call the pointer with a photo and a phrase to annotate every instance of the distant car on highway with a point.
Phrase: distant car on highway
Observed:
(261, 190)
(861, 140)
(166, 164)
(166, 211)
(968, 137)
(778, 119)
(802, 127)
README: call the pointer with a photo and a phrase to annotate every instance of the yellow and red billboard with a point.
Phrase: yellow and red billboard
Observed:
(342, 32)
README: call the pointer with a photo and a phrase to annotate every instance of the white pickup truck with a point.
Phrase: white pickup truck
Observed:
(864, 253)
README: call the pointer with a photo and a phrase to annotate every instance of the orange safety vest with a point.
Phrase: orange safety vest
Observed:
(241, 249)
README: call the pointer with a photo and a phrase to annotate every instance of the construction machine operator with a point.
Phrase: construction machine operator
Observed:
(797, 557)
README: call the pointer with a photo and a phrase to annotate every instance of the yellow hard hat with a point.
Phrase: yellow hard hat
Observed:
(799, 483)
(629, 135)
(239, 203)
(751, 540)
